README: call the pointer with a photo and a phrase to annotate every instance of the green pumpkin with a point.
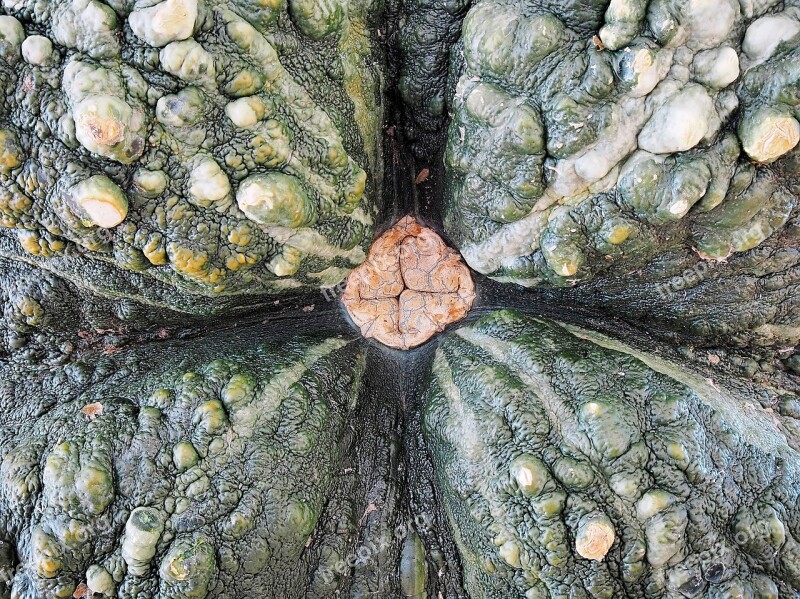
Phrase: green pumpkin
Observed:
(187, 410)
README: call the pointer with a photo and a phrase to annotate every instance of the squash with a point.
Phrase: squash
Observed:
(241, 350)
(571, 464)
(201, 152)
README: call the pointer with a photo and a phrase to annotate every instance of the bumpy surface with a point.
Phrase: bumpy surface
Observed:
(573, 470)
(410, 287)
(208, 479)
(589, 138)
(184, 415)
(209, 148)
(750, 300)
(428, 44)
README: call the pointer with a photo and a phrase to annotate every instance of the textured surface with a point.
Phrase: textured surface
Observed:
(750, 300)
(572, 470)
(410, 287)
(428, 43)
(194, 149)
(45, 317)
(590, 138)
(184, 414)
(209, 478)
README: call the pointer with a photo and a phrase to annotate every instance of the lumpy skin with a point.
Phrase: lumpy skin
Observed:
(639, 154)
(166, 165)
(569, 469)
(199, 149)
(209, 481)
(578, 152)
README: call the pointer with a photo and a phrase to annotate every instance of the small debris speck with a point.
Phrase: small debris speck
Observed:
(92, 410)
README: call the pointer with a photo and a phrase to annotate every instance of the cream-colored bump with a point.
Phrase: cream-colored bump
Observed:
(246, 112)
(100, 202)
(765, 34)
(768, 135)
(166, 22)
(595, 537)
(208, 183)
(37, 50)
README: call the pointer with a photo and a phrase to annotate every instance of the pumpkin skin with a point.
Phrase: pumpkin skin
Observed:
(537, 431)
(588, 143)
(225, 152)
(193, 480)
(185, 408)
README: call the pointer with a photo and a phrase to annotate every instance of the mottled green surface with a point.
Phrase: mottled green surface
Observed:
(700, 487)
(749, 301)
(183, 413)
(428, 42)
(591, 138)
(213, 476)
(130, 131)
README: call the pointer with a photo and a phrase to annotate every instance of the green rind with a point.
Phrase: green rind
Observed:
(231, 456)
(664, 131)
(161, 116)
(700, 486)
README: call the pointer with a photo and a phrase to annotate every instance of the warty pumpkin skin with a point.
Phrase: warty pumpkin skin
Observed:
(571, 466)
(211, 476)
(199, 152)
(591, 140)
(186, 409)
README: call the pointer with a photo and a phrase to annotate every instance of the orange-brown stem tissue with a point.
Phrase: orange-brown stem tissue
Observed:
(410, 287)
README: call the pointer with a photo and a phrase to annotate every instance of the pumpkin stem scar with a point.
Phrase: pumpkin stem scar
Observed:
(410, 287)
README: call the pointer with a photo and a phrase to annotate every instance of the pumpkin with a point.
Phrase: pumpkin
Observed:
(241, 350)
